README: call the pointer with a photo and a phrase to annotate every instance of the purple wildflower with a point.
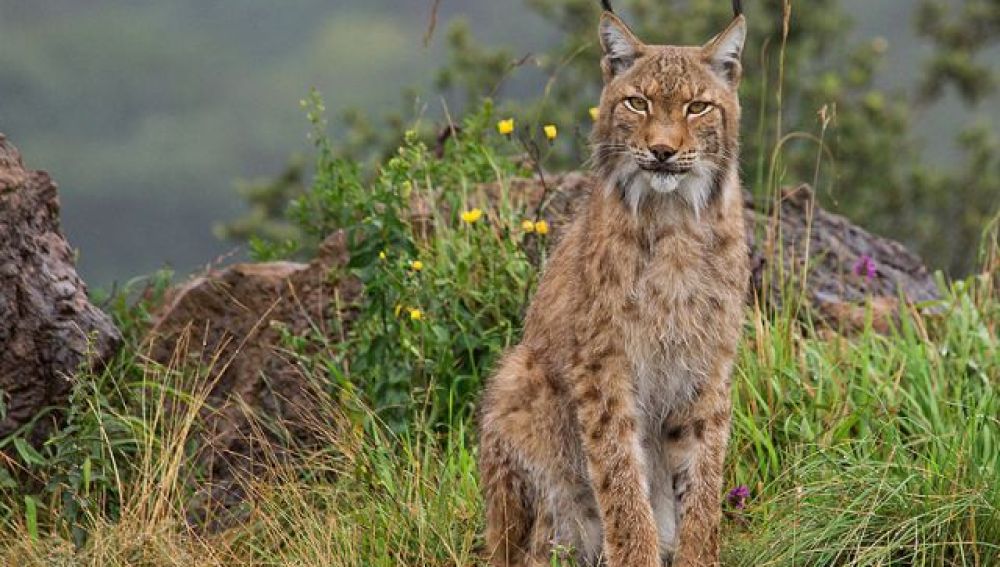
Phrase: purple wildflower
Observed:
(865, 266)
(738, 497)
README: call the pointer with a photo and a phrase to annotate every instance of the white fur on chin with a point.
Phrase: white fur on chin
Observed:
(694, 187)
(664, 183)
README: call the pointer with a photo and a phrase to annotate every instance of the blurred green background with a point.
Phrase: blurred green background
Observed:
(147, 113)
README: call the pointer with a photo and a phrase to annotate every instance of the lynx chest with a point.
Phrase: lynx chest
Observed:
(686, 312)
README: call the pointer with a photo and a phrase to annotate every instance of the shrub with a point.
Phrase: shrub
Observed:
(445, 270)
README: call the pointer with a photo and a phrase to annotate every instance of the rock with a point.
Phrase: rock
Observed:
(852, 272)
(50, 329)
(231, 324)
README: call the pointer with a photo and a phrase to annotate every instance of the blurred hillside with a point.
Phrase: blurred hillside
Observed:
(146, 113)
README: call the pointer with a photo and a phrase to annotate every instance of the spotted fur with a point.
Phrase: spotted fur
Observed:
(604, 430)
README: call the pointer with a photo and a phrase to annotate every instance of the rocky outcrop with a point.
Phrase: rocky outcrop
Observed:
(49, 330)
(846, 273)
(233, 330)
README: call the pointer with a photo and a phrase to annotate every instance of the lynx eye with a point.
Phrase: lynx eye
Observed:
(697, 108)
(637, 104)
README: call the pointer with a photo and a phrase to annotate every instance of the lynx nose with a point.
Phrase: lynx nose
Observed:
(662, 152)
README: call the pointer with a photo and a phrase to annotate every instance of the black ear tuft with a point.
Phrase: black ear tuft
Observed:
(737, 7)
(606, 4)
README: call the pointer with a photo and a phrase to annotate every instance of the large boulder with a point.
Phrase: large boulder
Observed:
(846, 273)
(231, 329)
(49, 330)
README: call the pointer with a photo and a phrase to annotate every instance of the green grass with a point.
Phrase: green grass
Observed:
(873, 450)
(868, 450)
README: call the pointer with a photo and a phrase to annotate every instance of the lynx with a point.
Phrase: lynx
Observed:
(603, 432)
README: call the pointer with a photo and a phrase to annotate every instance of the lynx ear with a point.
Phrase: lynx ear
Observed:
(621, 48)
(723, 52)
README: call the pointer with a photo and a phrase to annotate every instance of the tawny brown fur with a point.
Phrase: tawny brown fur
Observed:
(603, 432)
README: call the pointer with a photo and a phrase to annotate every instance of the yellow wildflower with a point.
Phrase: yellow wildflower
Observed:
(527, 226)
(506, 127)
(595, 113)
(416, 314)
(381, 255)
(472, 216)
(880, 45)
(416, 265)
(542, 227)
(550, 131)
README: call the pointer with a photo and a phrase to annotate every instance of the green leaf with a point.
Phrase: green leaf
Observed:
(28, 453)
(31, 516)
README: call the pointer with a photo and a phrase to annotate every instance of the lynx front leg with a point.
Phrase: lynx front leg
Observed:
(607, 416)
(697, 458)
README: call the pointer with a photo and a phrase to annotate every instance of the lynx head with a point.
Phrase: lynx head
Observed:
(669, 115)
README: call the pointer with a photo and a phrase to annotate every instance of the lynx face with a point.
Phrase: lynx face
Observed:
(669, 115)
